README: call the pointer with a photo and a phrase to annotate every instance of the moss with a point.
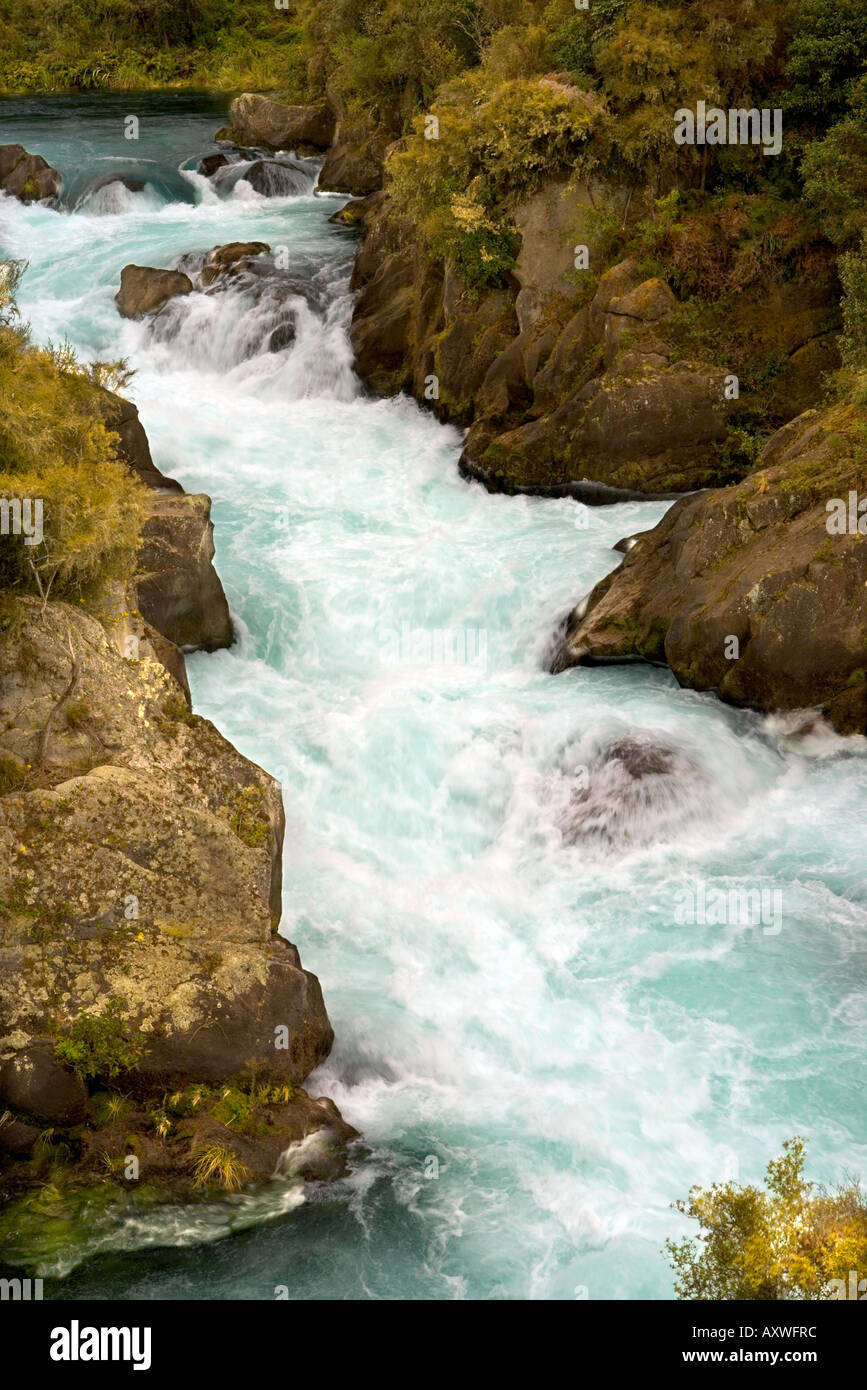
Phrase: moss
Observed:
(248, 820)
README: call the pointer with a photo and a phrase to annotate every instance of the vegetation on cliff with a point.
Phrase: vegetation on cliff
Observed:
(57, 451)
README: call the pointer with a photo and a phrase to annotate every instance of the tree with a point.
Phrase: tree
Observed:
(793, 1241)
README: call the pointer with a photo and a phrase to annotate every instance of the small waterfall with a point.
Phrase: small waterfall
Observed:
(285, 331)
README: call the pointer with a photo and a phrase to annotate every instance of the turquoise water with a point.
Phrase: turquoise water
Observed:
(513, 991)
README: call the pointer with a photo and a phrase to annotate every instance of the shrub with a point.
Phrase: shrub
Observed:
(853, 273)
(493, 148)
(792, 1241)
(56, 446)
(100, 1044)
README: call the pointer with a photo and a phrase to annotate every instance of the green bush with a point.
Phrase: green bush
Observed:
(793, 1241)
(853, 273)
(56, 447)
(494, 146)
(100, 1044)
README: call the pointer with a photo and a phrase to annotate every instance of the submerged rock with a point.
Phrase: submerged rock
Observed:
(744, 591)
(635, 790)
(275, 178)
(211, 163)
(144, 289)
(226, 258)
(27, 177)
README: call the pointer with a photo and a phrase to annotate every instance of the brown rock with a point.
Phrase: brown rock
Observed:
(32, 1082)
(178, 590)
(27, 177)
(753, 562)
(355, 162)
(144, 290)
(271, 125)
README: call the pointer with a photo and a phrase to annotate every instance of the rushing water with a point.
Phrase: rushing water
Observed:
(513, 990)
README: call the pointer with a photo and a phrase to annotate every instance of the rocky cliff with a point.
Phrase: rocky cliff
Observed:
(176, 588)
(756, 592)
(148, 1006)
(576, 381)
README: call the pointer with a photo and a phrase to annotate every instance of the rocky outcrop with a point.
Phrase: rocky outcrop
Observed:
(141, 861)
(271, 125)
(355, 161)
(753, 591)
(227, 258)
(573, 380)
(144, 289)
(27, 177)
(177, 589)
(122, 417)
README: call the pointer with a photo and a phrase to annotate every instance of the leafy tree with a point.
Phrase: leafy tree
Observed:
(792, 1241)
(827, 57)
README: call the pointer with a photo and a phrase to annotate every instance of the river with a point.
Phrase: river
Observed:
(540, 1055)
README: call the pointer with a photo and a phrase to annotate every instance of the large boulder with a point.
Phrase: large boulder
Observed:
(272, 125)
(32, 1082)
(745, 591)
(27, 177)
(144, 289)
(139, 860)
(178, 590)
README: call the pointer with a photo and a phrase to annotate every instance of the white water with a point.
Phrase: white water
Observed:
(510, 986)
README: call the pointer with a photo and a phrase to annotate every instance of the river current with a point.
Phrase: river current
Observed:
(541, 1047)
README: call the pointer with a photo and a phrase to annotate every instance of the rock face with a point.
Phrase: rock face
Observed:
(144, 290)
(571, 381)
(27, 177)
(141, 861)
(270, 125)
(121, 416)
(33, 1082)
(178, 590)
(745, 591)
(355, 162)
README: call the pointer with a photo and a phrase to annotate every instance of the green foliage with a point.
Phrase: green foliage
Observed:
(60, 45)
(248, 819)
(826, 59)
(99, 1044)
(788, 1242)
(853, 273)
(835, 174)
(493, 146)
(55, 446)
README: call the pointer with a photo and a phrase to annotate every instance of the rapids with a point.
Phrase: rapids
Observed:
(540, 1056)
